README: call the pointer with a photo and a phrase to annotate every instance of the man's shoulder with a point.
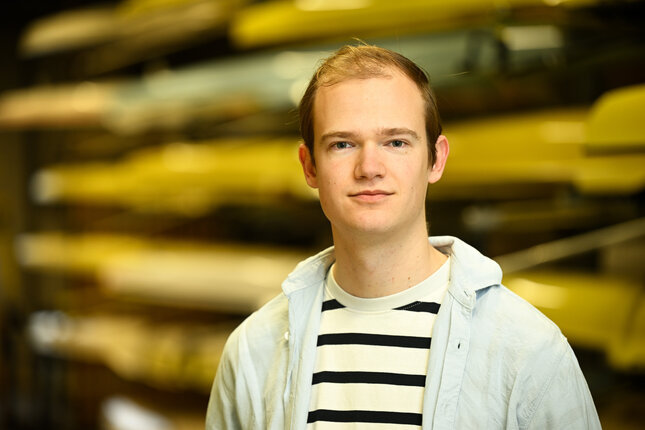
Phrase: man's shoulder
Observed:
(519, 359)
(512, 313)
(264, 325)
(268, 327)
(519, 329)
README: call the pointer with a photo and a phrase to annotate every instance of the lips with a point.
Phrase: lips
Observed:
(371, 195)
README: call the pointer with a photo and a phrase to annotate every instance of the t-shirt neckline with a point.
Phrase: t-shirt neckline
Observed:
(434, 283)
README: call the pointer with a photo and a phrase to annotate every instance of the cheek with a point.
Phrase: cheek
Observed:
(419, 183)
(327, 191)
(332, 191)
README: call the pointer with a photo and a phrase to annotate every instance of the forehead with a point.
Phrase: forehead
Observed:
(364, 104)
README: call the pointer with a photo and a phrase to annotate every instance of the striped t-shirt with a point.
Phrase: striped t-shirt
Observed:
(372, 356)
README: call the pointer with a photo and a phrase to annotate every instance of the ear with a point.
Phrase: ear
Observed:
(308, 166)
(443, 148)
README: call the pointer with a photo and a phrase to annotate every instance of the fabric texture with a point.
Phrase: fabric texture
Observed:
(372, 356)
(496, 362)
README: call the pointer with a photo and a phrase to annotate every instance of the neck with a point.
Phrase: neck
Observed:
(377, 268)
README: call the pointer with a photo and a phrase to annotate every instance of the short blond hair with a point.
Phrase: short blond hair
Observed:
(364, 62)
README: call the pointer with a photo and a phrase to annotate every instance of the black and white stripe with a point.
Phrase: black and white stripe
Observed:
(380, 417)
(371, 360)
(369, 378)
(374, 340)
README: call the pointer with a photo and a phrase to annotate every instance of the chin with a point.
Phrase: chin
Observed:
(371, 227)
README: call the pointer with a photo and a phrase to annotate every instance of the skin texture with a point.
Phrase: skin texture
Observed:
(372, 174)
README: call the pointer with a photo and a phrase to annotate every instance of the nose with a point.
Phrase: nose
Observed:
(369, 164)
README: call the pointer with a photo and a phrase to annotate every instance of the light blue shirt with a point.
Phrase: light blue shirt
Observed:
(496, 362)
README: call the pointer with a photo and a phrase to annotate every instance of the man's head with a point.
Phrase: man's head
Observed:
(367, 125)
(364, 62)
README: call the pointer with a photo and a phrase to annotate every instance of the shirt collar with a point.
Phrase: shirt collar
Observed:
(470, 270)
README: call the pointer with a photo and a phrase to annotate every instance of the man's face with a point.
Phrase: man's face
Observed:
(371, 155)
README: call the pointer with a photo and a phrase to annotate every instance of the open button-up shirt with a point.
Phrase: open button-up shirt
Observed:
(496, 362)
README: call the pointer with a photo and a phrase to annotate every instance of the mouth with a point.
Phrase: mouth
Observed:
(371, 195)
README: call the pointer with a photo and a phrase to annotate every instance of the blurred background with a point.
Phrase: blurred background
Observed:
(151, 197)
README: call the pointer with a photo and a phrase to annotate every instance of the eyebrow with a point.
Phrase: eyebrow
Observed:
(396, 131)
(338, 134)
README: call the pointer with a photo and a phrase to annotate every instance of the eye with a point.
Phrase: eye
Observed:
(397, 143)
(341, 145)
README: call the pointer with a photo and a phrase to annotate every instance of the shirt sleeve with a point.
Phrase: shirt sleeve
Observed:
(566, 401)
(222, 410)
(230, 406)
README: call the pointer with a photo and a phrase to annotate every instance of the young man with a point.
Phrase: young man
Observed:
(389, 327)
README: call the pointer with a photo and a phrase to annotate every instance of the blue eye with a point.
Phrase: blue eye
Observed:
(341, 145)
(397, 143)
